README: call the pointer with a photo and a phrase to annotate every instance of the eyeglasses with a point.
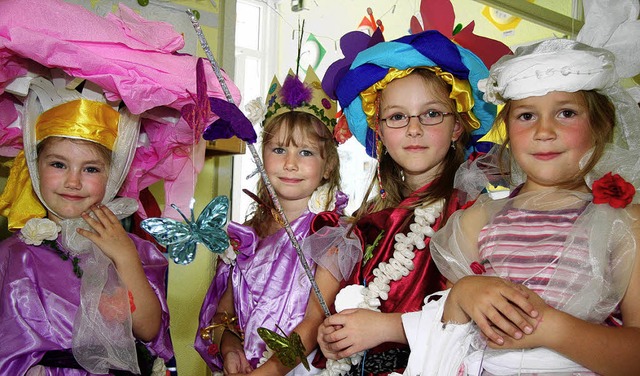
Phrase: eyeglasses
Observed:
(430, 117)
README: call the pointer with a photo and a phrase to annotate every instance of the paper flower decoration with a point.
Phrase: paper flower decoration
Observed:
(231, 122)
(439, 15)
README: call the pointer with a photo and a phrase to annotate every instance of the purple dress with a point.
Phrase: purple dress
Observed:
(39, 299)
(270, 286)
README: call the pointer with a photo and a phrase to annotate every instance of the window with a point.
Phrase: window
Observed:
(254, 67)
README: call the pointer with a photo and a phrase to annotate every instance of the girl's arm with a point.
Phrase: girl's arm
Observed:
(603, 349)
(496, 305)
(109, 235)
(234, 359)
(352, 330)
(308, 328)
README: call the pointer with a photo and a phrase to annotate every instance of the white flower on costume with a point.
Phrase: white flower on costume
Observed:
(319, 199)
(256, 110)
(229, 256)
(36, 230)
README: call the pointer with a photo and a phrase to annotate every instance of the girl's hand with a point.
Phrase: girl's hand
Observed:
(543, 333)
(329, 349)
(235, 362)
(492, 303)
(351, 331)
(109, 235)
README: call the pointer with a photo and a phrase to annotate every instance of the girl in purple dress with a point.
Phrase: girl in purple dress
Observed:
(79, 294)
(262, 283)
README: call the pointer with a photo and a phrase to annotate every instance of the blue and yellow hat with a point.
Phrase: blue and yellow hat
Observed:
(380, 64)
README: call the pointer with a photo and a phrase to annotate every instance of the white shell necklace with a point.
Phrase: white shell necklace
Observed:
(397, 267)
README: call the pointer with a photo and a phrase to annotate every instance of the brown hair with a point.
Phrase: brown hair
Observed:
(101, 150)
(302, 123)
(601, 122)
(390, 171)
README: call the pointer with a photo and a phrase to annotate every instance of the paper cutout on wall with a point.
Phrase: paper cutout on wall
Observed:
(312, 53)
(439, 15)
(369, 24)
(501, 20)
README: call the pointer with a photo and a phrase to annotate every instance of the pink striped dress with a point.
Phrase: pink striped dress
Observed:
(536, 248)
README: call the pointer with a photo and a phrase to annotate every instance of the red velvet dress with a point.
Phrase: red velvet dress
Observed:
(405, 295)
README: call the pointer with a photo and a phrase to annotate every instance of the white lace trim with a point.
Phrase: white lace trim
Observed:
(397, 267)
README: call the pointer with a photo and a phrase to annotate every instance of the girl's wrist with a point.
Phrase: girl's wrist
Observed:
(555, 323)
(394, 328)
(453, 311)
(229, 342)
(126, 260)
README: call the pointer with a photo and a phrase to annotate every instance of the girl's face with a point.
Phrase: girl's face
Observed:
(418, 149)
(73, 176)
(294, 171)
(549, 135)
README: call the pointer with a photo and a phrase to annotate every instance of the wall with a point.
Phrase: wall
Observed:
(189, 283)
(345, 16)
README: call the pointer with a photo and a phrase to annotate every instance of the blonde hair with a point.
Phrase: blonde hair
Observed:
(390, 171)
(301, 123)
(601, 124)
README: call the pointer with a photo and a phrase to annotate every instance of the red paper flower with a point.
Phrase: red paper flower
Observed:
(477, 268)
(213, 349)
(341, 132)
(613, 190)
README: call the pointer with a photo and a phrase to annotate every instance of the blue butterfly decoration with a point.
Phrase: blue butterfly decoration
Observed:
(181, 238)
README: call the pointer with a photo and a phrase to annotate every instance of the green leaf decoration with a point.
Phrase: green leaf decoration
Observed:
(457, 29)
(286, 349)
(368, 250)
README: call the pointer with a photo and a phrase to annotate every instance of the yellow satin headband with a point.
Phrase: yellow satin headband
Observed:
(460, 93)
(82, 119)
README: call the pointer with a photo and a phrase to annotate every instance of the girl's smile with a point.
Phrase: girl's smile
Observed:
(546, 156)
